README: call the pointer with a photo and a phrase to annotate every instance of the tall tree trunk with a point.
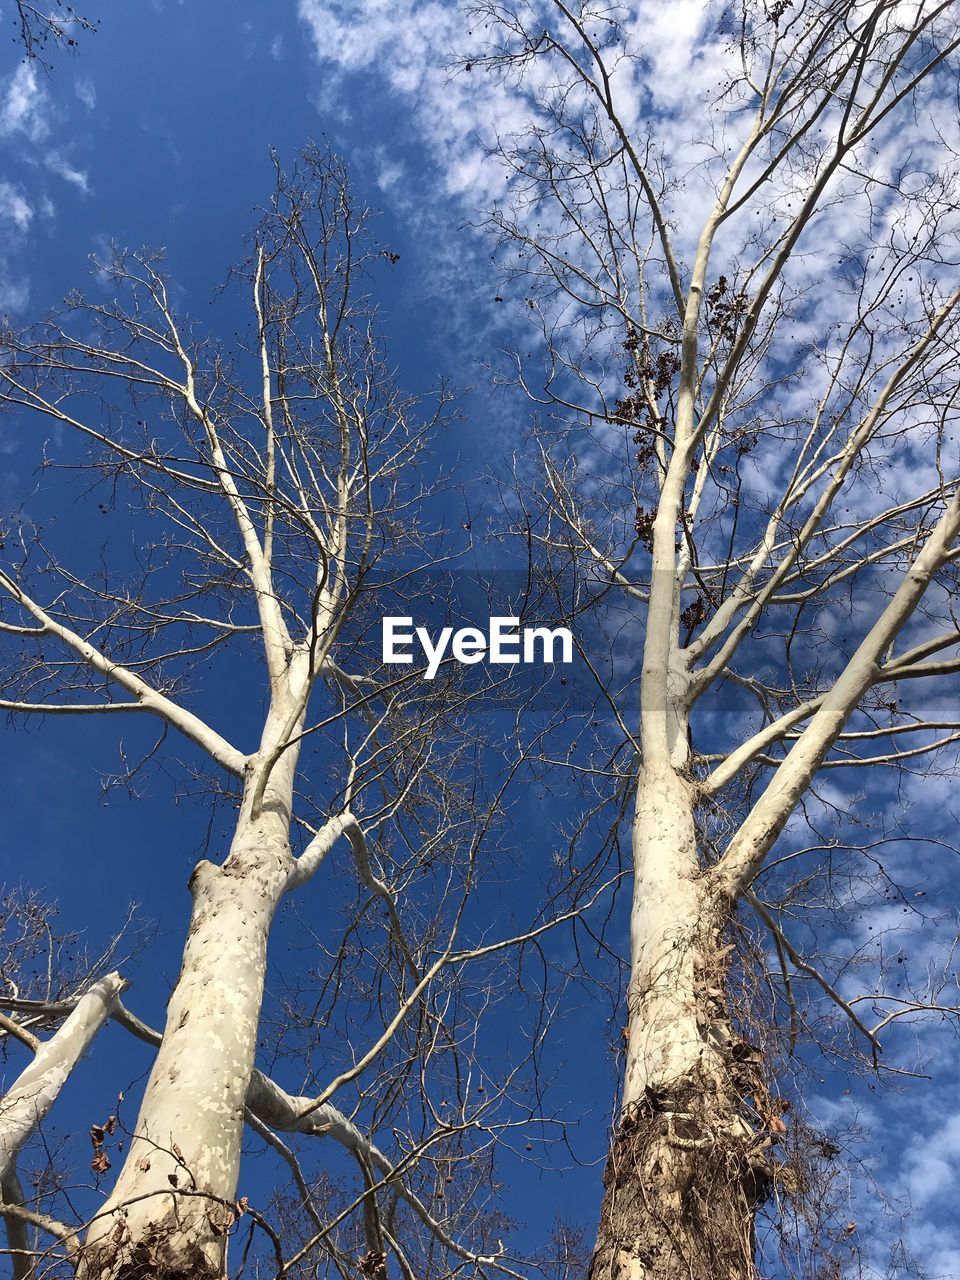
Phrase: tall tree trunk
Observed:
(167, 1212)
(173, 1199)
(682, 1183)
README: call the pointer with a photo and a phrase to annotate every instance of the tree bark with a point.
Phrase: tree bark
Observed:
(685, 1173)
(167, 1213)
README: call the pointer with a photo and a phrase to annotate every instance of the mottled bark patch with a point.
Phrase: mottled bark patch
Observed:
(682, 1185)
(167, 1252)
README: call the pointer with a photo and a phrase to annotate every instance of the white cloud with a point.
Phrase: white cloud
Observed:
(87, 93)
(14, 207)
(409, 44)
(24, 106)
(57, 163)
(16, 215)
(933, 1165)
(277, 48)
(391, 173)
(14, 294)
(433, 165)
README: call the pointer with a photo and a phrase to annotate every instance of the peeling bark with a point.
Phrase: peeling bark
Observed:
(681, 1188)
(686, 1171)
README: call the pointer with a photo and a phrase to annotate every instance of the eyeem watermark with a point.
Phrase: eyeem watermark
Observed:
(504, 642)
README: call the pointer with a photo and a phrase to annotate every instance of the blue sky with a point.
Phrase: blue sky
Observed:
(158, 133)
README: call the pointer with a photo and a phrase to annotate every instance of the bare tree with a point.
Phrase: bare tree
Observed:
(275, 510)
(745, 283)
(40, 29)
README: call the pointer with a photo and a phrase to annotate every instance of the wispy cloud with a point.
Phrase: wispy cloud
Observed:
(24, 107)
(28, 115)
(87, 93)
(16, 215)
(410, 44)
(14, 207)
(57, 163)
(397, 58)
(35, 127)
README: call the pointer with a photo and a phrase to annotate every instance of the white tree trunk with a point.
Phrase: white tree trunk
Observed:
(167, 1208)
(34, 1092)
(681, 1189)
(663, 1041)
